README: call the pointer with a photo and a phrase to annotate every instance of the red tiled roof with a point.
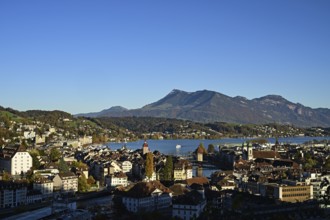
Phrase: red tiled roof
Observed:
(120, 175)
(265, 154)
(200, 150)
(144, 189)
(197, 180)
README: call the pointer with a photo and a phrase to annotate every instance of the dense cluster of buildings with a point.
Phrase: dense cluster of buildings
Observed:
(280, 176)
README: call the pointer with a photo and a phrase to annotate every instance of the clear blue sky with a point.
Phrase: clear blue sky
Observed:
(85, 56)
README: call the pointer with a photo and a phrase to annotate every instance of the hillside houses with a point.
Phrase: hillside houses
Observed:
(283, 173)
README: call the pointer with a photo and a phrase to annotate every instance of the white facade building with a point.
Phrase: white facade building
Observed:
(189, 206)
(12, 194)
(29, 134)
(116, 166)
(126, 166)
(45, 186)
(15, 160)
(147, 197)
(117, 179)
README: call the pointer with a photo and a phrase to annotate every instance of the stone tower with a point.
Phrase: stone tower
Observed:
(145, 147)
(249, 152)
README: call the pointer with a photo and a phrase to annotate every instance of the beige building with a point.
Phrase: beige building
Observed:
(182, 170)
(66, 182)
(295, 193)
(285, 193)
(86, 140)
(200, 153)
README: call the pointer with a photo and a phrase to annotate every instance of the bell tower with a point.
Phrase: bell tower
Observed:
(145, 147)
(249, 152)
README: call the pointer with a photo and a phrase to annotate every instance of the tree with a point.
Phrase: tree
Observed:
(79, 165)
(149, 166)
(35, 160)
(6, 176)
(55, 154)
(82, 183)
(91, 180)
(327, 164)
(310, 163)
(210, 149)
(277, 143)
(168, 169)
(63, 166)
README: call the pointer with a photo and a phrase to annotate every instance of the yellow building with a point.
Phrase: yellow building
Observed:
(285, 193)
(295, 193)
(182, 170)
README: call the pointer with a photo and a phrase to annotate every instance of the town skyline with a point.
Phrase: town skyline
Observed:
(80, 56)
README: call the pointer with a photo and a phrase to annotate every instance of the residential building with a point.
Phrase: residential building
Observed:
(86, 140)
(182, 170)
(189, 206)
(12, 194)
(44, 185)
(147, 197)
(66, 182)
(285, 193)
(116, 166)
(40, 139)
(33, 196)
(153, 177)
(15, 160)
(117, 179)
(126, 166)
(29, 134)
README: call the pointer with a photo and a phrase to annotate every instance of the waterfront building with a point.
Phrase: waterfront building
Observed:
(145, 148)
(182, 170)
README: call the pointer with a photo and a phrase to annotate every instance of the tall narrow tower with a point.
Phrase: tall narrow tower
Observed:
(145, 147)
(249, 152)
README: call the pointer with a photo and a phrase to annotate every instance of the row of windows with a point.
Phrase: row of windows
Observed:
(294, 189)
(296, 195)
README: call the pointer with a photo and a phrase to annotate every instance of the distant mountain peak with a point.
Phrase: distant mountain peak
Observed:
(273, 97)
(117, 108)
(174, 91)
(209, 106)
(240, 98)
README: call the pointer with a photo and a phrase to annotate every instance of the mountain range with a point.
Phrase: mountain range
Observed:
(209, 106)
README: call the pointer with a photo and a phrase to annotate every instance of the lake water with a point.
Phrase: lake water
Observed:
(168, 147)
(187, 146)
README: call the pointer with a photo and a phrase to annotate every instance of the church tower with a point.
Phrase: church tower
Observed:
(145, 148)
(249, 152)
